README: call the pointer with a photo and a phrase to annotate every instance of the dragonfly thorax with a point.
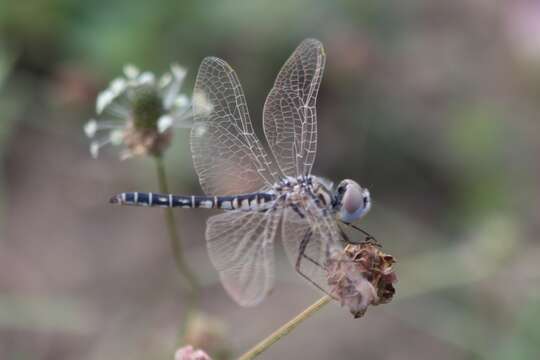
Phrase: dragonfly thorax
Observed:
(304, 189)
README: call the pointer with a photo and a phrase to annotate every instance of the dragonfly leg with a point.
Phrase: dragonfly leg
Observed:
(344, 236)
(296, 209)
(301, 255)
(302, 249)
(369, 238)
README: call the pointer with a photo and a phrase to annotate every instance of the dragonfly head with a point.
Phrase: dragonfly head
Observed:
(351, 200)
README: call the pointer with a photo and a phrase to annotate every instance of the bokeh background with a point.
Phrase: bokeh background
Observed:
(433, 105)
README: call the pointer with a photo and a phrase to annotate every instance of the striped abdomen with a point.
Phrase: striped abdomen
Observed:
(254, 201)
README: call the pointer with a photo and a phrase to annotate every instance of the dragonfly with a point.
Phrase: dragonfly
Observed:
(261, 193)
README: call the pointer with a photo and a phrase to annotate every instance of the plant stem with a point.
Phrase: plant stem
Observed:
(285, 329)
(176, 243)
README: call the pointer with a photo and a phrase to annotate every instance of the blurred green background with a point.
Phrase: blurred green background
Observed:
(431, 105)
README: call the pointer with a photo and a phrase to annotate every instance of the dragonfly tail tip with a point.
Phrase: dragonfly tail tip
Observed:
(116, 199)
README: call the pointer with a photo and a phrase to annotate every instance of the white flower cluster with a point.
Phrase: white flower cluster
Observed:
(115, 105)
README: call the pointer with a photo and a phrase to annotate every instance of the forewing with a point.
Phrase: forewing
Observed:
(324, 240)
(241, 247)
(290, 118)
(228, 157)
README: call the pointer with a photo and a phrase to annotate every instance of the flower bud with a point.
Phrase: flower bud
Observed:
(147, 108)
(189, 353)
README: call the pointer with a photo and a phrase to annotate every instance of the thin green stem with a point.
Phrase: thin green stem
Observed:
(176, 244)
(285, 329)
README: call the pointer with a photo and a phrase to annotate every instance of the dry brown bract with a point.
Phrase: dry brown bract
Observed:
(360, 276)
(142, 141)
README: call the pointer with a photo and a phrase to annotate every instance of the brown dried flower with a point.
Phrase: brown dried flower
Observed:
(360, 276)
(145, 141)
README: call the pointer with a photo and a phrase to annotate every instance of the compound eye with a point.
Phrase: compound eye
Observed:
(353, 199)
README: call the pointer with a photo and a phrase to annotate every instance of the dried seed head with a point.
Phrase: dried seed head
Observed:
(361, 275)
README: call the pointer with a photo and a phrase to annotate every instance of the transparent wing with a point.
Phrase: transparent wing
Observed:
(228, 157)
(290, 118)
(241, 247)
(308, 242)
